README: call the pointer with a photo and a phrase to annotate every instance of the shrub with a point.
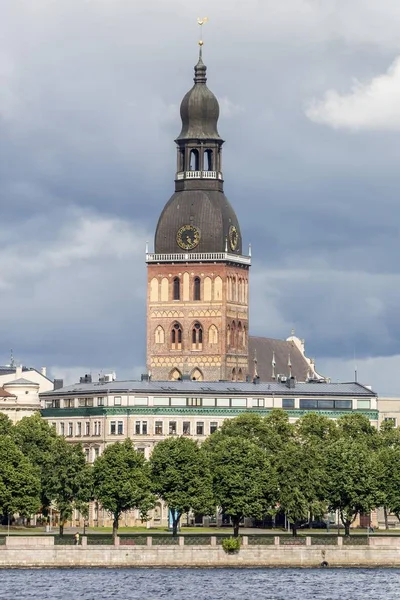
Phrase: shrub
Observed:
(231, 545)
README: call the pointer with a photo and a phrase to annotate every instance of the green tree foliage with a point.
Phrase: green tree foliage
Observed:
(355, 426)
(181, 477)
(68, 480)
(19, 481)
(244, 481)
(121, 481)
(352, 482)
(36, 439)
(6, 425)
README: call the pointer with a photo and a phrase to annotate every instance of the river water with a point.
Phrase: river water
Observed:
(200, 584)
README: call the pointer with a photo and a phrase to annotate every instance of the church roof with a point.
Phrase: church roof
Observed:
(208, 210)
(269, 350)
(199, 109)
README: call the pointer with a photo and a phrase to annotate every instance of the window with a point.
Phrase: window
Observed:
(113, 427)
(54, 425)
(194, 160)
(69, 403)
(196, 288)
(391, 420)
(97, 427)
(158, 428)
(96, 452)
(70, 429)
(213, 335)
(258, 403)
(208, 160)
(200, 428)
(117, 400)
(186, 428)
(100, 401)
(159, 335)
(52, 404)
(197, 337)
(176, 295)
(213, 426)
(288, 403)
(87, 454)
(194, 401)
(365, 404)
(85, 402)
(140, 427)
(62, 428)
(120, 427)
(87, 428)
(141, 450)
(172, 428)
(314, 404)
(176, 337)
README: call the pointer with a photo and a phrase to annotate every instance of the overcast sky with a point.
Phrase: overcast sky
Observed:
(89, 108)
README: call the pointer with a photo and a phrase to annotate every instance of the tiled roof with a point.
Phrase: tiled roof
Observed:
(265, 349)
(4, 394)
(213, 387)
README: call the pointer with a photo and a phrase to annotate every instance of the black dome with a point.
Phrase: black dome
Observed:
(199, 109)
(207, 210)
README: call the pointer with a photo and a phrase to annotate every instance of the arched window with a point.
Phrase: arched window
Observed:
(233, 374)
(239, 336)
(176, 337)
(213, 335)
(194, 160)
(208, 160)
(240, 375)
(196, 288)
(196, 375)
(177, 289)
(154, 290)
(244, 341)
(159, 336)
(197, 337)
(228, 336)
(233, 334)
(175, 375)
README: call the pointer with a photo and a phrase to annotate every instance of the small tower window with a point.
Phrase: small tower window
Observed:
(177, 289)
(194, 160)
(208, 160)
(176, 337)
(233, 374)
(197, 337)
(196, 288)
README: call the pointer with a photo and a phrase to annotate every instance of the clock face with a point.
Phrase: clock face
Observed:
(188, 237)
(233, 237)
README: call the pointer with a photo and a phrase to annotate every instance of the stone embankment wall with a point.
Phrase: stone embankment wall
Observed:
(40, 552)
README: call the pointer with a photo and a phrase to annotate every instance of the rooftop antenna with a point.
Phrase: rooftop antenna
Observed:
(12, 360)
(355, 366)
(201, 21)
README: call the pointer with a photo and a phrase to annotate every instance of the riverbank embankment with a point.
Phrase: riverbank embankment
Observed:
(40, 551)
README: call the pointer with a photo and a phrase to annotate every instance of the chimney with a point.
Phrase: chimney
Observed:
(58, 384)
(18, 372)
(43, 371)
(291, 382)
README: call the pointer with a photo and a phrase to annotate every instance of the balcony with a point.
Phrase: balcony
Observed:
(198, 257)
(198, 175)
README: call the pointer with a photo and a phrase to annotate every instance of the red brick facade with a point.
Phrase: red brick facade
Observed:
(197, 321)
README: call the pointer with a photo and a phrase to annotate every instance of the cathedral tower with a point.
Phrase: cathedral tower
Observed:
(197, 300)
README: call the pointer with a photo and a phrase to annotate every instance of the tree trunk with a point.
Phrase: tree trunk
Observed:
(294, 529)
(385, 512)
(347, 528)
(115, 526)
(235, 523)
(61, 532)
(175, 522)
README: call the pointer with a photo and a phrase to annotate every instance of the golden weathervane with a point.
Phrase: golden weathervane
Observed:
(201, 21)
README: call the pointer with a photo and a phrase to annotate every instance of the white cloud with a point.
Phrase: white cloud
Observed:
(369, 106)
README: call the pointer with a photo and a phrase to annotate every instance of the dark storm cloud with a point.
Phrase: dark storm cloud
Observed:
(89, 108)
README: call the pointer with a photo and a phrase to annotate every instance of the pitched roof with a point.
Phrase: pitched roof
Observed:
(4, 394)
(21, 381)
(283, 349)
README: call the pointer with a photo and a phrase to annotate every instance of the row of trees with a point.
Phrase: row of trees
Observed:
(251, 467)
